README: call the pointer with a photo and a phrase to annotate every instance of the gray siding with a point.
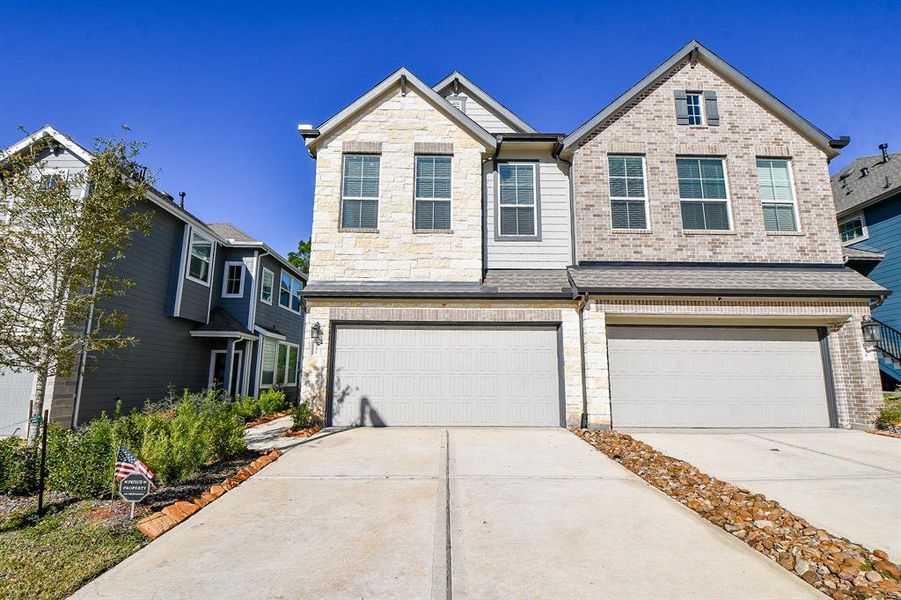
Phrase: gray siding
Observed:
(239, 308)
(195, 297)
(165, 354)
(553, 250)
(484, 116)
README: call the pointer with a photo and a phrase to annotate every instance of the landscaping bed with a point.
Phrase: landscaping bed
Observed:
(835, 566)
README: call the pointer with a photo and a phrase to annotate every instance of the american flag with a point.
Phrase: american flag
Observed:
(127, 463)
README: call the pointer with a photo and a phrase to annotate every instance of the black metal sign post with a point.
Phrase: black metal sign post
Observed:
(134, 488)
(42, 474)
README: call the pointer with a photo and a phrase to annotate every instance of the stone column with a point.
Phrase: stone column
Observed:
(597, 375)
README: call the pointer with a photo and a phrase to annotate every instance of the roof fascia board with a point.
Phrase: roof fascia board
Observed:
(749, 87)
(48, 131)
(886, 195)
(734, 292)
(428, 93)
(504, 112)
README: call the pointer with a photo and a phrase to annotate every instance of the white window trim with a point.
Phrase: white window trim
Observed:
(416, 198)
(791, 184)
(209, 271)
(275, 382)
(863, 224)
(279, 301)
(378, 199)
(500, 203)
(728, 198)
(644, 179)
(225, 268)
(263, 286)
(236, 360)
(701, 107)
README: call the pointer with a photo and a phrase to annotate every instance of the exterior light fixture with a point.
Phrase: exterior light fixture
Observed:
(316, 333)
(872, 331)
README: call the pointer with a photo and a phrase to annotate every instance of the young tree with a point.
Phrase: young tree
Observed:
(59, 239)
(301, 258)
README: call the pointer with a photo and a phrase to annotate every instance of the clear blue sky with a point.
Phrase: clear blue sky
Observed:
(217, 89)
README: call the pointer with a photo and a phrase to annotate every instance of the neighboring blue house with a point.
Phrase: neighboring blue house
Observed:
(210, 304)
(867, 196)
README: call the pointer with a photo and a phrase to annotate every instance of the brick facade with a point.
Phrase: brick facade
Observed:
(746, 131)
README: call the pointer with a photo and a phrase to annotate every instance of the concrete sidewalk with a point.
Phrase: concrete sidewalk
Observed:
(438, 513)
(848, 482)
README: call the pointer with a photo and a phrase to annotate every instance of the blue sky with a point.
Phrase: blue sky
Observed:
(217, 89)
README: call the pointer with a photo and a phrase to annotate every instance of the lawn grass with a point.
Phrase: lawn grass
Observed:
(54, 556)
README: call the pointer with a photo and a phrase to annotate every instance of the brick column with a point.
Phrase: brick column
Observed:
(855, 367)
(597, 375)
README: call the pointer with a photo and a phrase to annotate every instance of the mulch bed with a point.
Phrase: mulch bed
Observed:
(835, 566)
(267, 418)
(306, 432)
(886, 432)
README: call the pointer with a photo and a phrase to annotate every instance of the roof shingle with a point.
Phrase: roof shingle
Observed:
(850, 188)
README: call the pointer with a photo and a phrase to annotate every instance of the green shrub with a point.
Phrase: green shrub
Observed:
(247, 407)
(889, 415)
(19, 467)
(303, 416)
(273, 400)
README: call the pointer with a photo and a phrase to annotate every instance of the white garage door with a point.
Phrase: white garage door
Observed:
(451, 375)
(716, 377)
(15, 396)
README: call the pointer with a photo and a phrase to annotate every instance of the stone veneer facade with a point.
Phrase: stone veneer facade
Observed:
(393, 128)
(746, 131)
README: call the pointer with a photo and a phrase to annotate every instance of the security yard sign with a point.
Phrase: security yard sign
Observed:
(134, 488)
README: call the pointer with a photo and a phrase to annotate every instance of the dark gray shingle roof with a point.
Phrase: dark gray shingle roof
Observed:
(851, 189)
(857, 253)
(814, 280)
(220, 320)
(523, 283)
(230, 232)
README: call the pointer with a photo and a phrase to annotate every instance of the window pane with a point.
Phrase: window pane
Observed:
(442, 214)
(779, 217)
(281, 363)
(361, 176)
(617, 166)
(267, 371)
(690, 188)
(633, 166)
(713, 188)
(618, 187)
(284, 291)
(369, 214)
(715, 215)
(692, 215)
(292, 365)
(508, 221)
(851, 229)
(425, 213)
(636, 187)
(711, 169)
(619, 211)
(637, 217)
(526, 221)
(688, 168)
(266, 288)
(350, 215)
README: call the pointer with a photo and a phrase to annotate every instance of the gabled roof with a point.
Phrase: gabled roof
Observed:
(852, 190)
(231, 233)
(696, 51)
(402, 77)
(238, 238)
(485, 98)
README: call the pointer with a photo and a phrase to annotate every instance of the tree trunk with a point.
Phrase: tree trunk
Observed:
(37, 404)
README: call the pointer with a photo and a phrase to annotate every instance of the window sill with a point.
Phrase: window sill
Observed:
(622, 230)
(357, 230)
(517, 238)
(708, 231)
(786, 233)
(428, 231)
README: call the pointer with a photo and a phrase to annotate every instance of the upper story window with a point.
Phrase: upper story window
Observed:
(693, 103)
(696, 108)
(233, 279)
(289, 292)
(267, 283)
(360, 191)
(279, 363)
(853, 229)
(628, 196)
(703, 193)
(517, 200)
(199, 259)
(51, 179)
(775, 187)
(432, 197)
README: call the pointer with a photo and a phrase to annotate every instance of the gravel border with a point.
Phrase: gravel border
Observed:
(833, 565)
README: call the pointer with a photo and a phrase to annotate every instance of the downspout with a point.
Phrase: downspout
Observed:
(82, 364)
(580, 309)
(492, 159)
(252, 320)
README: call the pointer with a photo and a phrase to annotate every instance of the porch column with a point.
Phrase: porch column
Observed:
(597, 379)
(229, 365)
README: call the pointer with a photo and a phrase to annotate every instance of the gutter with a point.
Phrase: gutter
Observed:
(352, 294)
(739, 293)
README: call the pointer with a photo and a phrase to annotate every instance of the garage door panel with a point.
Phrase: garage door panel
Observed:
(446, 376)
(15, 398)
(716, 377)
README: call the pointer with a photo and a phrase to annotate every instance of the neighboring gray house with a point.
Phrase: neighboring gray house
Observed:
(673, 262)
(210, 303)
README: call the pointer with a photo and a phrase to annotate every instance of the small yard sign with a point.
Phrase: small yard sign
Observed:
(134, 488)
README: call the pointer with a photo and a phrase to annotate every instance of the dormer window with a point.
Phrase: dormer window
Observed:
(853, 229)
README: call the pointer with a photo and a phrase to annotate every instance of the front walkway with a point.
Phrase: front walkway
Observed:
(438, 513)
(848, 482)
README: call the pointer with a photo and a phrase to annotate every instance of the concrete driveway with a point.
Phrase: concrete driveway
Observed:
(440, 513)
(848, 482)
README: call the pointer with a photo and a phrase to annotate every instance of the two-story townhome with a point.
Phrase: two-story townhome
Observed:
(673, 262)
(210, 305)
(867, 196)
